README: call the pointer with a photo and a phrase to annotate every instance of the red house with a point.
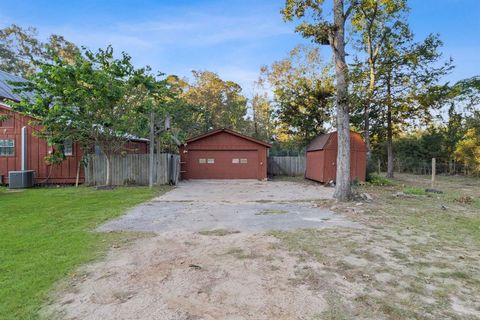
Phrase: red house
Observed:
(322, 157)
(223, 154)
(36, 149)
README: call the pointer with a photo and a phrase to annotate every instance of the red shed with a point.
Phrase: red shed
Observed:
(224, 154)
(322, 157)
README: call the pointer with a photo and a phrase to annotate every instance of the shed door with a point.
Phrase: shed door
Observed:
(222, 164)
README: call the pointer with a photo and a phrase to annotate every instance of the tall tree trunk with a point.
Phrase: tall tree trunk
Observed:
(255, 124)
(342, 188)
(389, 133)
(368, 107)
(389, 143)
(366, 129)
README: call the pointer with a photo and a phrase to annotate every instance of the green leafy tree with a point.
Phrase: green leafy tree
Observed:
(262, 117)
(315, 25)
(409, 75)
(374, 21)
(20, 50)
(215, 103)
(304, 94)
(94, 100)
(468, 150)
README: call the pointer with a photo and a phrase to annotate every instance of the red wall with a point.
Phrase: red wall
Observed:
(358, 160)
(38, 149)
(223, 141)
(315, 165)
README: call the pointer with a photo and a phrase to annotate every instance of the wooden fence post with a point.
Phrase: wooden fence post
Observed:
(433, 171)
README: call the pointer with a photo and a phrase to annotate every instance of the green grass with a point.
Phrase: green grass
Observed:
(415, 190)
(46, 233)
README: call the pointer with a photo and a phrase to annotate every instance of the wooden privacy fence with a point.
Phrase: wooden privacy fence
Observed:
(286, 166)
(133, 169)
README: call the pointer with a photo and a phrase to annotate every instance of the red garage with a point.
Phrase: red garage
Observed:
(224, 154)
(322, 157)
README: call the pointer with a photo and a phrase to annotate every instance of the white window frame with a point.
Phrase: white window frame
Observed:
(243, 161)
(235, 161)
(211, 161)
(5, 144)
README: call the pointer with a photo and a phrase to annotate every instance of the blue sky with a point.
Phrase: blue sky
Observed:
(231, 37)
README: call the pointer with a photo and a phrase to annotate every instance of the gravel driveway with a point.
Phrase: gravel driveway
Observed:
(243, 205)
(183, 274)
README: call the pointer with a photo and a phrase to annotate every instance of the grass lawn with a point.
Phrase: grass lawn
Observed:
(45, 233)
(416, 257)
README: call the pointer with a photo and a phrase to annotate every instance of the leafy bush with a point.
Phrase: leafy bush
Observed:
(376, 180)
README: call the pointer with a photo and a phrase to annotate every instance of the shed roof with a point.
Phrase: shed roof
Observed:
(319, 142)
(216, 131)
(7, 88)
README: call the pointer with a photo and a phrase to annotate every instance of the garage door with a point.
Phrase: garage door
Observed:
(221, 164)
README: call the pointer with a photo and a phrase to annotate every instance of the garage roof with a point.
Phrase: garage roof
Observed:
(213, 132)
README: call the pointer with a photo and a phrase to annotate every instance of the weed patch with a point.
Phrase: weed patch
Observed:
(218, 232)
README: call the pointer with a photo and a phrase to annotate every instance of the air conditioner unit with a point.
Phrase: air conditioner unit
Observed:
(21, 179)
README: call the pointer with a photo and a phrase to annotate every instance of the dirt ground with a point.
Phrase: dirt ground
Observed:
(415, 257)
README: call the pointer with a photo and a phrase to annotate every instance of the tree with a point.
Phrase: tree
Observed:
(20, 49)
(304, 92)
(217, 103)
(94, 100)
(262, 117)
(408, 75)
(323, 32)
(468, 150)
(375, 21)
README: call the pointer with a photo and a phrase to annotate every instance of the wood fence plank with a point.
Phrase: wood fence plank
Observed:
(130, 168)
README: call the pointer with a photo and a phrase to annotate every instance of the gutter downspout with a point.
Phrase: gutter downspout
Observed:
(24, 149)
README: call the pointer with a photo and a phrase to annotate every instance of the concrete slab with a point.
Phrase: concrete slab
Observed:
(237, 205)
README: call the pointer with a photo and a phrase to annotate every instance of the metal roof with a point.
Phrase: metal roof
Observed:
(319, 142)
(6, 88)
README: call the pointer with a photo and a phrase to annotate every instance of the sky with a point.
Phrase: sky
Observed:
(232, 37)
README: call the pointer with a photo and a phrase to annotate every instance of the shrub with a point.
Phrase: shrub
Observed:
(376, 180)
(414, 190)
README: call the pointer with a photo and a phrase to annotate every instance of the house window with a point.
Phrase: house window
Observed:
(7, 147)
(243, 161)
(210, 161)
(235, 161)
(202, 161)
(68, 147)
